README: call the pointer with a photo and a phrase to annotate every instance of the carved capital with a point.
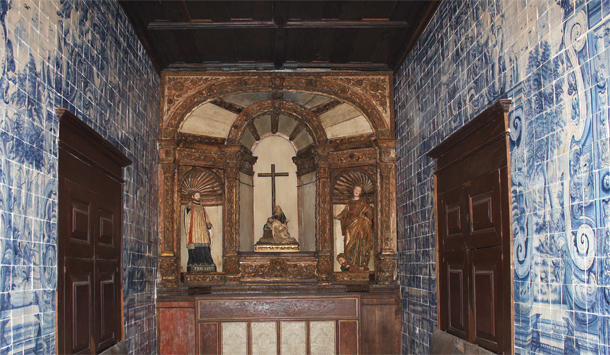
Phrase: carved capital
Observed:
(169, 269)
(167, 151)
(387, 150)
(386, 268)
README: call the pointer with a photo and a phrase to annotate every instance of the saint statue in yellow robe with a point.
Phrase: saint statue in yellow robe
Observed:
(357, 228)
(197, 230)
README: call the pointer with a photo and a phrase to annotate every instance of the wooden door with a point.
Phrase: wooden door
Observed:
(89, 239)
(474, 239)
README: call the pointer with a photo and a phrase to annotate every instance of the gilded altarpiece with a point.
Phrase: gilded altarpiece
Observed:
(341, 126)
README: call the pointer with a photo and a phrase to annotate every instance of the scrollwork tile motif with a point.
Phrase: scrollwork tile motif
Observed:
(559, 160)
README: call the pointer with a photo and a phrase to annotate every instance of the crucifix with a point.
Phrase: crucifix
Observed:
(272, 175)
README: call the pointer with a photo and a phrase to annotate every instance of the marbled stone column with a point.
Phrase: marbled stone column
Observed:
(324, 243)
(386, 256)
(168, 261)
(231, 210)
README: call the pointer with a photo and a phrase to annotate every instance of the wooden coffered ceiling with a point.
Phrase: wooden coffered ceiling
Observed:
(260, 35)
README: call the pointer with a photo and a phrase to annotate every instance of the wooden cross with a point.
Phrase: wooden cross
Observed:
(272, 175)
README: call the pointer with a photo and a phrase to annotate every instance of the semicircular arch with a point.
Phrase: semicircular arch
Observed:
(300, 113)
(236, 85)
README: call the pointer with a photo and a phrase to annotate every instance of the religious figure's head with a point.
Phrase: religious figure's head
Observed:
(342, 259)
(277, 210)
(196, 196)
(357, 191)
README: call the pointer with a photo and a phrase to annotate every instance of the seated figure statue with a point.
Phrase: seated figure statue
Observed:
(275, 230)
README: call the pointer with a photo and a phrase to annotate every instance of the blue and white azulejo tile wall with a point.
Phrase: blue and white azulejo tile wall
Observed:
(84, 56)
(553, 59)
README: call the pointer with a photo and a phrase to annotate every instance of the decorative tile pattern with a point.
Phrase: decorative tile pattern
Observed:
(264, 338)
(293, 338)
(552, 58)
(322, 337)
(234, 338)
(83, 56)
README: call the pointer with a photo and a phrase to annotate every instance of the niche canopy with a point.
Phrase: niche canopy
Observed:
(341, 127)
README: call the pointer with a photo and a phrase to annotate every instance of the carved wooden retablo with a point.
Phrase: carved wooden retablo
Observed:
(337, 131)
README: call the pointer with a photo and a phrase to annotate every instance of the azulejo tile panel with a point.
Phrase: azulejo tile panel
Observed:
(552, 58)
(84, 56)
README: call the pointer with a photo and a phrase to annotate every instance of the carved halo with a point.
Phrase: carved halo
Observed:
(203, 181)
(347, 181)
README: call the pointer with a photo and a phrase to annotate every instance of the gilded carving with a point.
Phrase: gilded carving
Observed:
(204, 181)
(185, 91)
(279, 268)
(167, 192)
(386, 268)
(201, 158)
(324, 267)
(353, 156)
(169, 271)
(376, 88)
(195, 279)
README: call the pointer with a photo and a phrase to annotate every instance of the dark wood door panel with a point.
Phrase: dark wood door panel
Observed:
(454, 294)
(452, 218)
(79, 312)
(107, 301)
(108, 236)
(80, 213)
(89, 221)
(487, 304)
(484, 211)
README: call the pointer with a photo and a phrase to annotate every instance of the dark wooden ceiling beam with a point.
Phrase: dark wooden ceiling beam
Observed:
(210, 25)
(277, 24)
(280, 16)
(325, 107)
(295, 132)
(382, 23)
(229, 106)
(254, 131)
(275, 121)
(286, 65)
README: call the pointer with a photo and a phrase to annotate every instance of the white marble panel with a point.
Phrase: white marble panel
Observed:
(307, 211)
(247, 139)
(352, 127)
(322, 337)
(247, 99)
(286, 125)
(234, 338)
(264, 338)
(341, 113)
(263, 124)
(293, 338)
(302, 140)
(210, 120)
(246, 220)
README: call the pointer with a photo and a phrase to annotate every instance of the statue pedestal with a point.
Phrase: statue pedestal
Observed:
(201, 268)
(352, 276)
(276, 247)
